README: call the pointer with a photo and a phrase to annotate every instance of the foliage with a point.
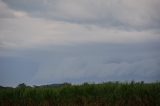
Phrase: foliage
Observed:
(105, 94)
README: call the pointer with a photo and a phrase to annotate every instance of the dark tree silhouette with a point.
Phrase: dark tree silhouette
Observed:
(22, 85)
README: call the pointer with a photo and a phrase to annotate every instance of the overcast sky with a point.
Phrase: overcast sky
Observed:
(56, 41)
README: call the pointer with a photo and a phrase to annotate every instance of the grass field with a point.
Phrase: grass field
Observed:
(104, 94)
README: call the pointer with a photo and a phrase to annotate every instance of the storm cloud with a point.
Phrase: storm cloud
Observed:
(55, 41)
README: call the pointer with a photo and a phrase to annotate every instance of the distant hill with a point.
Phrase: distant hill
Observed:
(54, 85)
(2, 87)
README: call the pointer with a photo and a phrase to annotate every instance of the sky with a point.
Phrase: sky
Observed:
(76, 41)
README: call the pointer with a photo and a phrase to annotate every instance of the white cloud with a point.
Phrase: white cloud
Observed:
(5, 12)
(23, 30)
(33, 32)
(127, 14)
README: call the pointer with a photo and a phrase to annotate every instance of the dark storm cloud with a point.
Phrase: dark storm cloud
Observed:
(85, 62)
(15, 70)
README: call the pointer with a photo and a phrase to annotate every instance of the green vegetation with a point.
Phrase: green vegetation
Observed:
(105, 94)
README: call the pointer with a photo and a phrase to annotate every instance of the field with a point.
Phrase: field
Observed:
(104, 94)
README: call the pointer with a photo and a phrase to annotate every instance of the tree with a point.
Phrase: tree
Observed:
(22, 85)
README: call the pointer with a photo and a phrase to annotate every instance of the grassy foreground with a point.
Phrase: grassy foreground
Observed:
(105, 94)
